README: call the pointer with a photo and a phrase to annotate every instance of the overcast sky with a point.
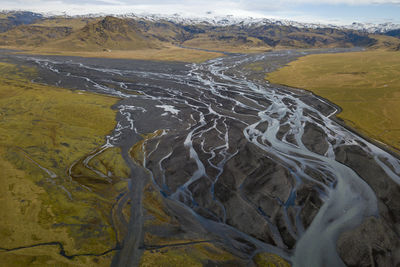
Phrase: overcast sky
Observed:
(326, 11)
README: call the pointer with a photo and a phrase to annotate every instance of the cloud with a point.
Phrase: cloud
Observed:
(301, 10)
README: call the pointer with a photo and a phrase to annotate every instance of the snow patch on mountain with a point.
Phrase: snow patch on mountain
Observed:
(374, 28)
(229, 20)
(209, 18)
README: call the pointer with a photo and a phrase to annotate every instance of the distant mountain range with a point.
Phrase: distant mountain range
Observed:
(232, 20)
(132, 32)
(11, 19)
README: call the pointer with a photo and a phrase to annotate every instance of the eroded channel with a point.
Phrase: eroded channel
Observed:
(245, 164)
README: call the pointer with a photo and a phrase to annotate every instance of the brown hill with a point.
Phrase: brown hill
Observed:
(75, 23)
(274, 36)
(32, 36)
(227, 42)
(163, 30)
(107, 34)
(384, 42)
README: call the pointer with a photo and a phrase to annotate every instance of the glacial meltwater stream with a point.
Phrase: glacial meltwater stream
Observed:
(255, 166)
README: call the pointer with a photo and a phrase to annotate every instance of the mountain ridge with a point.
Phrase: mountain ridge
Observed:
(230, 34)
(108, 33)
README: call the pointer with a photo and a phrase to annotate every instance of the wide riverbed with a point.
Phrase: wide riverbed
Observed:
(252, 166)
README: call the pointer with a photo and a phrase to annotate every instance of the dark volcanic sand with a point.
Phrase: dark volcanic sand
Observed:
(252, 166)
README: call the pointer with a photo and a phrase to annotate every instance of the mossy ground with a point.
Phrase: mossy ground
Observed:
(269, 260)
(196, 254)
(43, 131)
(366, 85)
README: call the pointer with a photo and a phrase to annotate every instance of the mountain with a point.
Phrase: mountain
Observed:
(385, 42)
(74, 23)
(229, 42)
(232, 34)
(394, 33)
(32, 36)
(373, 28)
(8, 20)
(249, 21)
(109, 33)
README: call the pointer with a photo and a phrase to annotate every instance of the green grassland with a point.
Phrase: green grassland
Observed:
(366, 85)
(45, 132)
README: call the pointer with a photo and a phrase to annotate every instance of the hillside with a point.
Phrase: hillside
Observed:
(227, 42)
(74, 23)
(8, 20)
(28, 36)
(107, 34)
(385, 42)
(95, 34)
(394, 33)
(281, 36)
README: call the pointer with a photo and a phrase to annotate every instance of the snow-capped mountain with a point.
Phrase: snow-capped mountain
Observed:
(213, 20)
(374, 28)
(223, 20)
(228, 20)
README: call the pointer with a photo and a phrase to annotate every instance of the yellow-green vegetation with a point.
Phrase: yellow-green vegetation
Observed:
(366, 85)
(109, 33)
(138, 150)
(44, 131)
(106, 168)
(73, 23)
(186, 255)
(269, 260)
(153, 202)
(175, 252)
(28, 36)
(110, 163)
(167, 53)
(384, 42)
(107, 37)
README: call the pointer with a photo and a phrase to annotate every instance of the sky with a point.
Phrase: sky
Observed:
(339, 12)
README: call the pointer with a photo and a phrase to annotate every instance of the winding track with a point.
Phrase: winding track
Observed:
(235, 156)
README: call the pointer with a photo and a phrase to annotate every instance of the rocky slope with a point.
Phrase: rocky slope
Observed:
(108, 33)
(8, 20)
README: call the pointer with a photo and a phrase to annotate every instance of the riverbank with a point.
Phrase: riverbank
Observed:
(364, 84)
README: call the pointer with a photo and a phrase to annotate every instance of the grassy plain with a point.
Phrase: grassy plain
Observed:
(43, 131)
(366, 85)
(169, 53)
